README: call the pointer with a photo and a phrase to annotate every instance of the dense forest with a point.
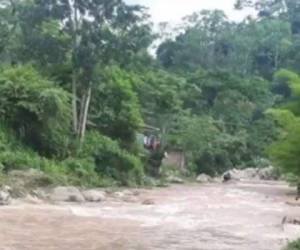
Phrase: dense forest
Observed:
(78, 84)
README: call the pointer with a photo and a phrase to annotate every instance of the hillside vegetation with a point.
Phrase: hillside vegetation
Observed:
(78, 84)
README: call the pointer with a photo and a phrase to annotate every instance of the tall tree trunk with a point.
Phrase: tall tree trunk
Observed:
(246, 69)
(84, 114)
(73, 18)
(285, 6)
(276, 66)
(74, 101)
(81, 113)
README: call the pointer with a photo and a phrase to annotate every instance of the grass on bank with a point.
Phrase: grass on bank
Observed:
(293, 246)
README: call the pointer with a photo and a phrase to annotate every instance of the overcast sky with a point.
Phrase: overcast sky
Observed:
(174, 10)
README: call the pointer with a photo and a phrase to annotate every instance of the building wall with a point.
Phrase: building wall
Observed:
(176, 159)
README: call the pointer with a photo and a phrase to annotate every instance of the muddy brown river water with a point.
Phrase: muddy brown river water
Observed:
(241, 216)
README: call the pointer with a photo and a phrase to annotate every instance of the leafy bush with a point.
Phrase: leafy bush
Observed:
(7, 139)
(208, 148)
(101, 162)
(79, 172)
(293, 246)
(285, 152)
(37, 110)
(118, 114)
(110, 160)
(259, 162)
(19, 160)
(82, 172)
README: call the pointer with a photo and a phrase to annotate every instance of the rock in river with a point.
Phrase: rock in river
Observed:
(204, 178)
(94, 195)
(5, 198)
(66, 194)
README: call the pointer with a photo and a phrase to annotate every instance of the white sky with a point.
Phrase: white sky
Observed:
(174, 10)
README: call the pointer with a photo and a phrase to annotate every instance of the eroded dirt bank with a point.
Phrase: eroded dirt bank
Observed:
(243, 216)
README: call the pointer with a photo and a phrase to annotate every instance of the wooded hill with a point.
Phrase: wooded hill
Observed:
(77, 83)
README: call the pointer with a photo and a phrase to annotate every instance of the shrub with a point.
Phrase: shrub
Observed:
(19, 160)
(110, 160)
(82, 172)
(7, 138)
(294, 246)
(78, 172)
(118, 114)
(209, 148)
(37, 110)
(101, 162)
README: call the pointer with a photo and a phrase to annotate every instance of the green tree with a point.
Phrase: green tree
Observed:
(84, 35)
(286, 151)
(118, 113)
(203, 43)
(37, 110)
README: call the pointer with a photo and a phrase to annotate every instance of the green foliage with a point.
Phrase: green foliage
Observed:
(71, 171)
(228, 94)
(37, 110)
(20, 160)
(286, 151)
(204, 33)
(227, 110)
(208, 148)
(39, 114)
(197, 136)
(197, 133)
(206, 91)
(159, 92)
(118, 114)
(292, 81)
(293, 246)
(210, 41)
(80, 172)
(261, 134)
(7, 138)
(160, 97)
(110, 160)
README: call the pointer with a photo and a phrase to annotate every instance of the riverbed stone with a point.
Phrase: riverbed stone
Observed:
(148, 202)
(94, 195)
(5, 198)
(33, 200)
(66, 194)
(204, 178)
(175, 180)
(268, 174)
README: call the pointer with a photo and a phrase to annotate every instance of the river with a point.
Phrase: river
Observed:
(238, 216)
